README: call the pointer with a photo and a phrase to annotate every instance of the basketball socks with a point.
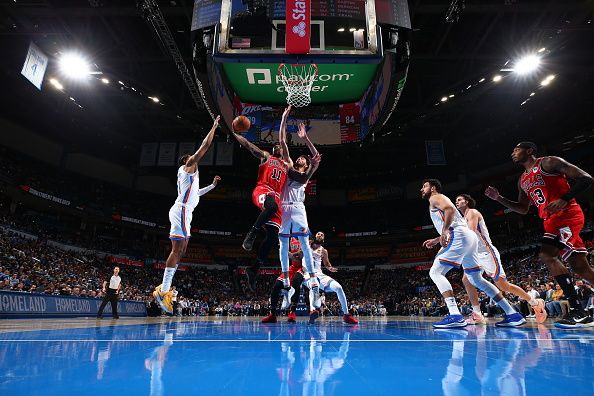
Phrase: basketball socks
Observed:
(569, 291)
(270, 207)
(307, 254)
(506, 306)
(167, 278)
(284, 254)
(337, 288)
(452, 306)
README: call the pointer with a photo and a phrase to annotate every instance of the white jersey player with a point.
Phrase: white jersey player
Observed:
(459, 250)
(180, 215)
(327, 283)
(293, 215)
(490, 261)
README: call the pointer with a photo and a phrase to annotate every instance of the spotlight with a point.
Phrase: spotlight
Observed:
(56, 84)
(444, 99)
(543, 49)
(547, 80)
(527, 64)
(352, 29)
(451, 96)
(105, 80)
(482, 79)
(341, 29)
(74, 65)
(154, 99)
(550, 77)
(532, 93)
(497, 78)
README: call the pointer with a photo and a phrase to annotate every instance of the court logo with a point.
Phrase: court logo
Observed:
(299, 29)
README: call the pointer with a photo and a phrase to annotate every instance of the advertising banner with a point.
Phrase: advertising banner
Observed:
(26, 305)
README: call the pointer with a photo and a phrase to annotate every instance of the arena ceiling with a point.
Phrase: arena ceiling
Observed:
(447, 58)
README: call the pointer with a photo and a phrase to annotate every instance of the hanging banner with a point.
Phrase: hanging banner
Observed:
(148, 154)
(435, 152)
(35, 65)
(298, 31)
(167, 154)
(125, 261)
(43, 195)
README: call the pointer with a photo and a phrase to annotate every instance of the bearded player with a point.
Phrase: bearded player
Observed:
(327, 283)
(294, 217)
(490, 262)
(545, 185)
(272, 175)
(180, 215)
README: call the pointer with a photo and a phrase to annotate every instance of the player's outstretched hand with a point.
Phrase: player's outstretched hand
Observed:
(216, 180)
(286, 112)
(430, 243)
(333, 269)
(301, 132)
(316, 159)
(215, 123)
(492, 193)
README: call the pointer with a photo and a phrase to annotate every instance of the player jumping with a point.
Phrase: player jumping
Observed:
(544, 184)
(272, 175)
(180, 215)
(294, 218)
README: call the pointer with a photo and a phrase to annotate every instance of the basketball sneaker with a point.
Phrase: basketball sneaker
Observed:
(450, 321)
(287, 295)
(313, 315)
(513, 320)
(575, 319)
(250, 238)
(476, 319)
(539, 311)
(269, 319)
(164, 299)
(349, 319)
(292, 317)
(315, 289)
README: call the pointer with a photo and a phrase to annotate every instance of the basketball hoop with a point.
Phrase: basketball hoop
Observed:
(298, 80)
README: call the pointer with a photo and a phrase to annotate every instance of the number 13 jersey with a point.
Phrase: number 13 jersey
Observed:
(543, 188)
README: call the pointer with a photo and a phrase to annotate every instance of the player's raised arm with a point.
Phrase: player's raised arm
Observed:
(520, 206)
(282, 137)
(197, 156)
(211, 186)
(252, 148)
(302, 133)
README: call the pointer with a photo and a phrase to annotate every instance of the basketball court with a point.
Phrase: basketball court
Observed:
(223, 356)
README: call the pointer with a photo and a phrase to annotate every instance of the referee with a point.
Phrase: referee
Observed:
(111, 294)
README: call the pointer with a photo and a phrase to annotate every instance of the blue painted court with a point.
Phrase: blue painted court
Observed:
(234, 356)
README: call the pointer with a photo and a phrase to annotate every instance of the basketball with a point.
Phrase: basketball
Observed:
(241, 124)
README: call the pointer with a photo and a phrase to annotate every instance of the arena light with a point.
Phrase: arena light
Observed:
(56, 84)
(532, 94)
(497, 78)
(527, 64)
(482, 79)
(451, 96)
(547, 80)
(105, 80)
(154, 99)
(543, 49)
(74, 65)
(341, 29)
(444, 99)
(352, 30)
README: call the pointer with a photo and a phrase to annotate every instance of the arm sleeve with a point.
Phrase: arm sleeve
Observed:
(300, 177)
(206, 189)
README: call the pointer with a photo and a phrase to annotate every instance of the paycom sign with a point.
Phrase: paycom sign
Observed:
(260, 83)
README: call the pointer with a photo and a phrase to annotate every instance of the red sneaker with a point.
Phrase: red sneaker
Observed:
(269, 319)
(348, 318)
(292, 317)
(313, 315)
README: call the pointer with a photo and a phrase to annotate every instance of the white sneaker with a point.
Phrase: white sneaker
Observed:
(315, 289)
(287, 295)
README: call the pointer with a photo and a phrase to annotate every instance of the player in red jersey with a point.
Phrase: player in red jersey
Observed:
(544, 184)
(272, 175)
(294, 269)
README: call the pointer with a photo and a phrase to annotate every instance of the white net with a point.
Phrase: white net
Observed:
(298, 80)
